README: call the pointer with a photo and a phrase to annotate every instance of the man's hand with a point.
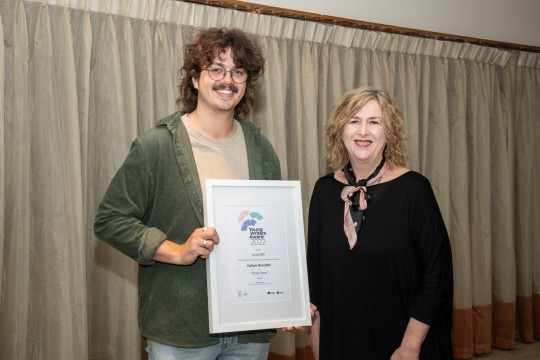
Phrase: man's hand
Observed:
(200, 243)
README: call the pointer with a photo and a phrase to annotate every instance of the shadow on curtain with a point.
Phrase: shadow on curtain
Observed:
(78, 84)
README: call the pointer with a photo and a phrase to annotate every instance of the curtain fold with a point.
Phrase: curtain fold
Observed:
(459, 225)
(129, 81)
(274, 94)
(113, 334)
(163, 81)
(503, 254)
(2, 159)
(54, 188)
(145, 76)
(527, 197)
(14, 314)
(82, 79)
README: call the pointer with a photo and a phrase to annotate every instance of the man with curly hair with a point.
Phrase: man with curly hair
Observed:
(153, 209)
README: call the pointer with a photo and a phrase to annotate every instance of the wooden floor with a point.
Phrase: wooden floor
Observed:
(523, 351)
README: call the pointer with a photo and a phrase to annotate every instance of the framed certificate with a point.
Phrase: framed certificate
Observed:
(257, 277)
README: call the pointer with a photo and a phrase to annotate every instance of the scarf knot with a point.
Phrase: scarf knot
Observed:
(355, 198)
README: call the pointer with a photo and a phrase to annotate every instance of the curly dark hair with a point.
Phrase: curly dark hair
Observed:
(395, 152)
(201, 52)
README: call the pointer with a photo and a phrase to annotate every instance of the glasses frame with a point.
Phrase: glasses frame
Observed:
(224, 73)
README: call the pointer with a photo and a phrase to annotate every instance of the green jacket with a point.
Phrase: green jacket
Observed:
(156, 195)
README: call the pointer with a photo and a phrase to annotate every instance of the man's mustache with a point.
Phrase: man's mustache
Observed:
(223, 86)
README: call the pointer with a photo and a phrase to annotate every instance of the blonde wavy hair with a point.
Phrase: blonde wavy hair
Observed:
(395, 153)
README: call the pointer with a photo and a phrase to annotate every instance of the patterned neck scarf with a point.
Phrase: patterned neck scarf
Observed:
(355, 199)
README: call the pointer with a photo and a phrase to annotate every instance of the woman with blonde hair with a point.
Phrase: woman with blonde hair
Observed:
(379, 257)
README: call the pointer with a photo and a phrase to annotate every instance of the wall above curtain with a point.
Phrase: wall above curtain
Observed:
(479, 19)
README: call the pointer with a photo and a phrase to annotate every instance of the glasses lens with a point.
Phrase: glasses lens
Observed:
(239, 76)
(217, 73)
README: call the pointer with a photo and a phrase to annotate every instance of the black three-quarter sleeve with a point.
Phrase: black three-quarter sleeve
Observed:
(433, 254)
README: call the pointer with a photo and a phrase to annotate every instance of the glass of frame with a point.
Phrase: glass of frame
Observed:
(257, 276)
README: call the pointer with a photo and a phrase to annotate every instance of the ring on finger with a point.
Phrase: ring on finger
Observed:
(204, 229)
(204, 243)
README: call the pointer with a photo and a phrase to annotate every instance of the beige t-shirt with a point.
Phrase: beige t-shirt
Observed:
(218, 159)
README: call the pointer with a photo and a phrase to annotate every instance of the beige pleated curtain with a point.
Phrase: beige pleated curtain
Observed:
(79, 80)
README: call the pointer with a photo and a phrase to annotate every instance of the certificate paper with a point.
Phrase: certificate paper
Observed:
(256, 275)
(259, 256)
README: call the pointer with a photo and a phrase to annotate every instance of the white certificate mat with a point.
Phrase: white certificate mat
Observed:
(257, 277)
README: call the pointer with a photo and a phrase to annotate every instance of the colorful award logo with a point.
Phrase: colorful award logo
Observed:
(249, 219)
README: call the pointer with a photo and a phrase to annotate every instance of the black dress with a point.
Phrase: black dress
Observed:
(401, 267)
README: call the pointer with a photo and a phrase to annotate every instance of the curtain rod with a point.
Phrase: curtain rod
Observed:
(333, 20)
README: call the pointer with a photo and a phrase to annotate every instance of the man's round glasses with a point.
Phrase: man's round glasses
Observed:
(217, 73)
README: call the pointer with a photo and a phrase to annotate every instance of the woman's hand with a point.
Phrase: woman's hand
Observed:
(312, 311)
(315, 330)
(414, 336)
(294, 329)
(405, 354)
